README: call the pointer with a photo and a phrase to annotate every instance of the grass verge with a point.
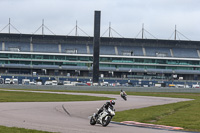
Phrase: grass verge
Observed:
(4, 129)
(9, 96)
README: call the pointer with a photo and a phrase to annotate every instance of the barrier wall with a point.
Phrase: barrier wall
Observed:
(100, 88)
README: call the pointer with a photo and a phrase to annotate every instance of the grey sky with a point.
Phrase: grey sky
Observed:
(126, 16)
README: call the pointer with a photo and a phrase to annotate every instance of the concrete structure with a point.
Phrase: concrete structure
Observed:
(119, 57)
(96, 43)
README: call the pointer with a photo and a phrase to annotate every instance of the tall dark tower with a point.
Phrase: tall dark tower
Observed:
(96, 43)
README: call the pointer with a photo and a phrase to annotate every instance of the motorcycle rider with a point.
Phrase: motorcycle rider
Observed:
(123, 93)
(105, 106)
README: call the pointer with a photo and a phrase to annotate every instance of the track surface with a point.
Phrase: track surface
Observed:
(50, 116)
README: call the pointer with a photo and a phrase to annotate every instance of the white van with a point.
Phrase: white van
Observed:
(68, 83)
(15, 81)
(32, 83)
(7, 81)
(48, 82)
(179, 86)
(25, 81)
(38, 83)
(54, 82)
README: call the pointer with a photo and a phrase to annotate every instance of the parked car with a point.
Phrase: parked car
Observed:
(180, 86)
(48, 83)
(32, 83)
(186, 86)
(7, 81)
(1, 80)
(54, 82)
(195, 86)
(171, 85)
(81, 84)
(25, 81)
(38, 83)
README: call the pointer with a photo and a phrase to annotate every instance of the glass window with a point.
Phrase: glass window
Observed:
(45, 56)
(105, 59)
(84, 58)
(126, 66)
(3, 55)
(26, 56)
(14, 62)
(139, 60)
(36, 63)
(71, 58)
(37, 57)
(161, 61)
(57, 57)
(25, 62)
(2, 62)
(160, 67)
(48, 63)
(127, 60)
(150, 67)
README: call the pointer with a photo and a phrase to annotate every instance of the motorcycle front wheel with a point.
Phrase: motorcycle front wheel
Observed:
(125, 98)
(92, 121)
(105, 122)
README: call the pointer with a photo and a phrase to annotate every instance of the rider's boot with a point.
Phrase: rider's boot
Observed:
(96, 115)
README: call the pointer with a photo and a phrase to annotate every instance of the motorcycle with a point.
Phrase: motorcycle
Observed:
(103, 118)
(124, 97)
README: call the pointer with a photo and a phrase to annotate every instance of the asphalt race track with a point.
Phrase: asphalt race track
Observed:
(72, 117)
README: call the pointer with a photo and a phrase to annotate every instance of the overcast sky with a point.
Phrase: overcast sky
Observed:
(126, 16)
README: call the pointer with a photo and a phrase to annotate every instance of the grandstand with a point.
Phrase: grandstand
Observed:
(119, 57)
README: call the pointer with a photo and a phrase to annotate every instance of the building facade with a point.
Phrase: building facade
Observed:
(119, 57)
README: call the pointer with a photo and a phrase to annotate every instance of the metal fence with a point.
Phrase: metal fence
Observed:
(101, 88)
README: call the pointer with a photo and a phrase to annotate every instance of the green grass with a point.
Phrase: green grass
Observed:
(4, 129)
(9, 96)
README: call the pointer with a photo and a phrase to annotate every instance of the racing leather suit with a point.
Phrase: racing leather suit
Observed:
(106, 105)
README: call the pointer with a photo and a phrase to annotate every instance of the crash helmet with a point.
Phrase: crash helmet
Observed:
(112, 102)
(121, 90)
